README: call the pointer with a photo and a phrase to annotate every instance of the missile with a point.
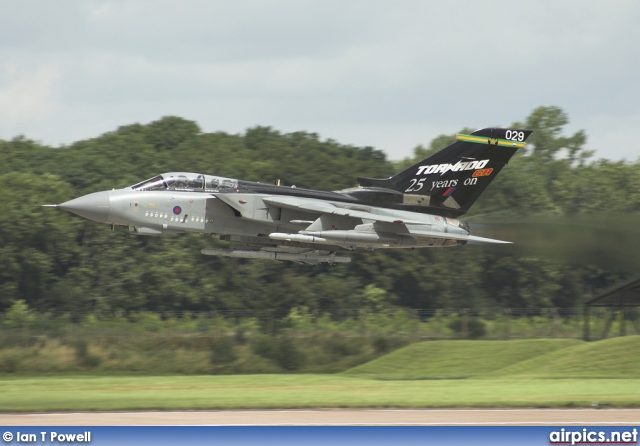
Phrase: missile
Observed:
(296, 238)
(355, 237)
(370, 238)
(312, 257)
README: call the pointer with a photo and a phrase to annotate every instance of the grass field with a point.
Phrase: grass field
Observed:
(527, 373)
(457, 359)
(521, 359)
(304, 391)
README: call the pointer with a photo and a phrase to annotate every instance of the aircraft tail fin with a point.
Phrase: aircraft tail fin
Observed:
(454, 177)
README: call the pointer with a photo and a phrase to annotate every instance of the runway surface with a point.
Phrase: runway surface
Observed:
(334, 417)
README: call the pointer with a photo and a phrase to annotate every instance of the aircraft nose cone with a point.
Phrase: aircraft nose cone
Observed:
(94, 206)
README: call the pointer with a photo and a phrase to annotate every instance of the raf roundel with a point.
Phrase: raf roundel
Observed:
(177, 210)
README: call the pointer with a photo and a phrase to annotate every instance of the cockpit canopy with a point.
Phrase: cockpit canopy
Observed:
(187, 181)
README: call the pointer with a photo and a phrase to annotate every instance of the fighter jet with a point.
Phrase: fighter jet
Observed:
(416, 208)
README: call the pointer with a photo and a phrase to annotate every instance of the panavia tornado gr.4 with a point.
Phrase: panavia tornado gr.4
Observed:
(416, 208)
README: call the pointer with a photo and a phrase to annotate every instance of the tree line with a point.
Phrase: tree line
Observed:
(572, 217)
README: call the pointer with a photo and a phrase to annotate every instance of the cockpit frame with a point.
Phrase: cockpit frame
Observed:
(187, 181)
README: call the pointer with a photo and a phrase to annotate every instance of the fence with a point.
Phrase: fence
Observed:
(413, 324)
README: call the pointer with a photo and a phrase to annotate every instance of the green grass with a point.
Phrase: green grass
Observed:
(302, 391)
(457, 359)
(523, 373)
(609, 358)
(531, 358)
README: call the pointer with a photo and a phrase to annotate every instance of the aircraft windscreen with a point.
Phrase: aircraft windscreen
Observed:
(155, 183)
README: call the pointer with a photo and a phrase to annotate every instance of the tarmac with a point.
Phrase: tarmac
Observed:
(333, 417)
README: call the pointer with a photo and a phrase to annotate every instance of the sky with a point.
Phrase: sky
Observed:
(388, 74)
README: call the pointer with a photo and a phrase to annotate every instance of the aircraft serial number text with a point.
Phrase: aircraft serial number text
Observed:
(514, 135)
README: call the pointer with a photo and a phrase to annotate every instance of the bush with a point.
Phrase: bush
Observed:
(287, 354)
(18, 315)
(223, 352)
(384, 344)
(9, 362)
(381, 344)
(340, 346)
(241, 335)
(282, 350)
(263, 346)
(83, 356)
(475, 328)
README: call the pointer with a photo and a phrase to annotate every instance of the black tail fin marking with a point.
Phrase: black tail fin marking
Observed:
(456, 176)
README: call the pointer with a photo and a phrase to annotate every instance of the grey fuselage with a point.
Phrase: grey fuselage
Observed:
(233, 208)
